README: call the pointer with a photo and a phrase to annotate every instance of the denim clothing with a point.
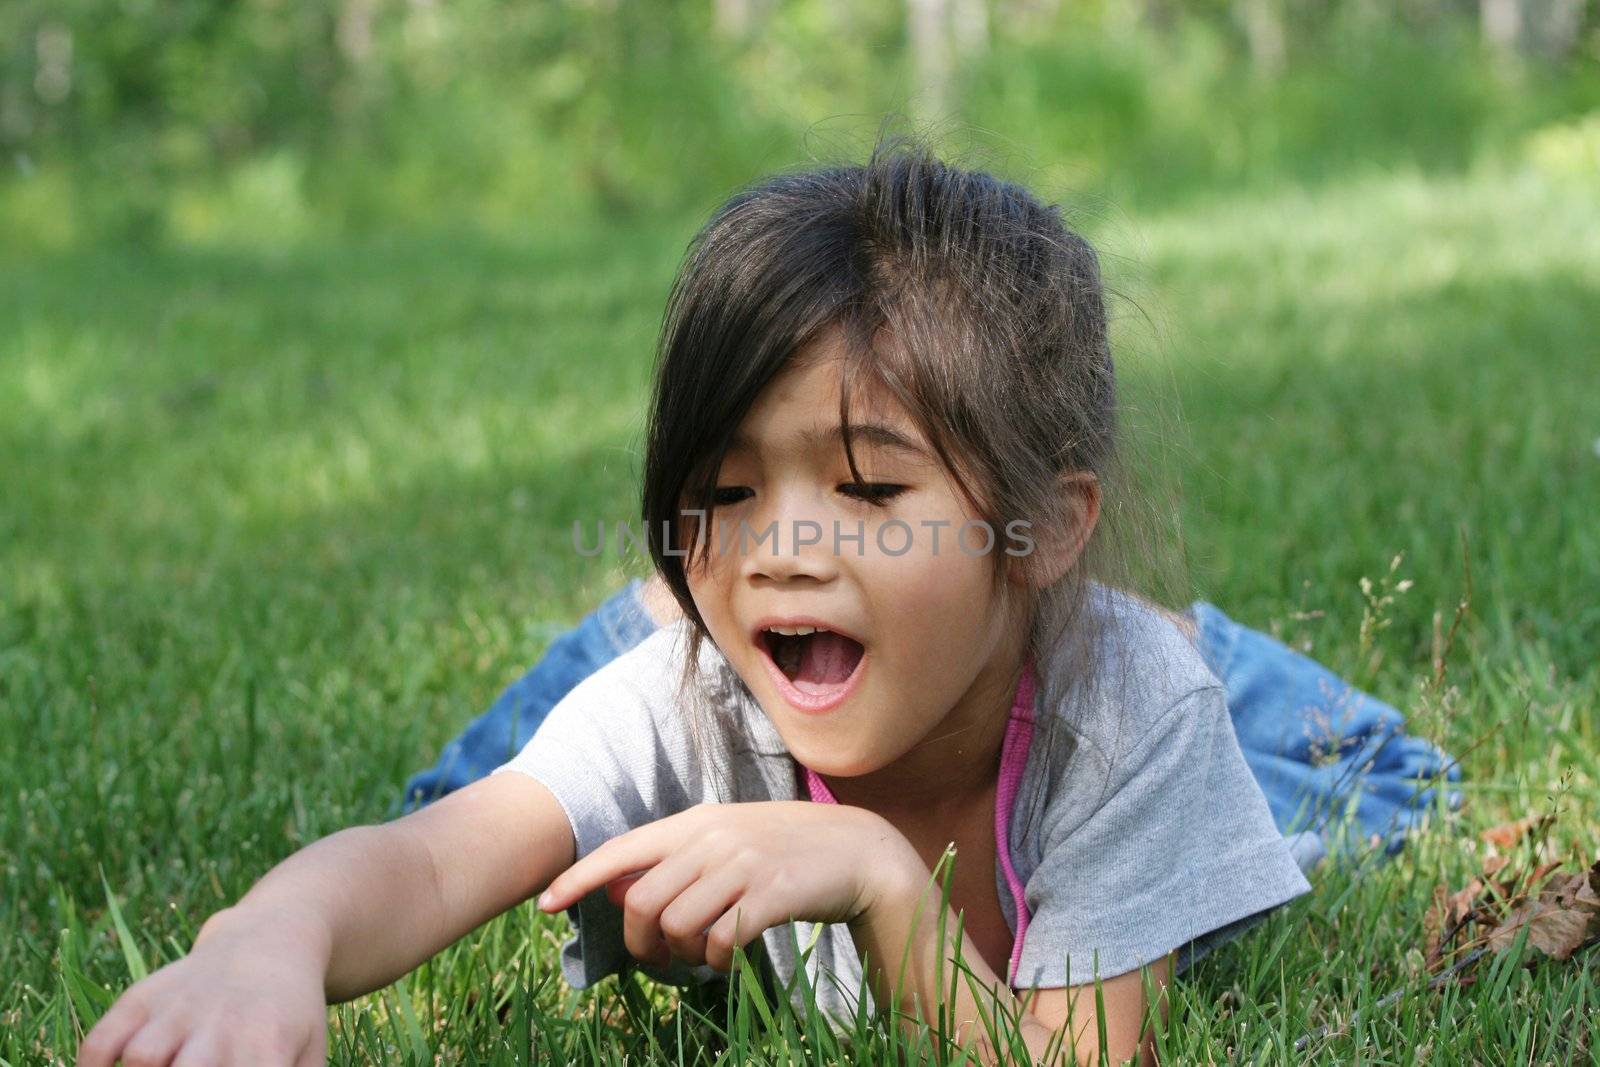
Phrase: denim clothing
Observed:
(1316, 746)
(491, 739)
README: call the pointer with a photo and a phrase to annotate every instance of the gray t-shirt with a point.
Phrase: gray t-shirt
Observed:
(1137, 829)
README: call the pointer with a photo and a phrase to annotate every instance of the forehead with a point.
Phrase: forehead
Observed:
(826, 438)
(798, 412)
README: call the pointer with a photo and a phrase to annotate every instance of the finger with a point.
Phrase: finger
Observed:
(617, 888)
(153, 1046)
(645, 898)
(685, 922)
(744, 921)
(201, 1050)
(637, 850)
(106, 1040)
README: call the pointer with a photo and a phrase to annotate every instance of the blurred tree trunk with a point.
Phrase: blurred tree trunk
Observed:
(1266, 34)
(971, 27)
(1500, 21)
(928, 24)
(1020, 17)
(1554, 27)
(352, 34)
(1158, 15)
(354, 31)
(1548, 28)
(736, 20)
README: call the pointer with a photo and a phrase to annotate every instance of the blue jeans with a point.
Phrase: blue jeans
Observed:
(1317, 746)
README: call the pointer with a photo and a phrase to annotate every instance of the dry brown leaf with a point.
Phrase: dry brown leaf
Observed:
(1583, 890)
(1461, 904)
(1518, 886)
(1565, 915)
(1433, 923)
(1537, 877)
(1446, 915)
(1505, 836)
(1553, 930)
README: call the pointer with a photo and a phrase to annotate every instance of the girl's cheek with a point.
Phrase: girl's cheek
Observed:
(934, 595)
(915, 589)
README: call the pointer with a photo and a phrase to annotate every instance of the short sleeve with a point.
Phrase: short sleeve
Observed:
(1175, 850)
(617, 754)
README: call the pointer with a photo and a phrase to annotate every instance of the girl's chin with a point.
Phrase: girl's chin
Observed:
(825, 752)
(839, 747)
(835, 768)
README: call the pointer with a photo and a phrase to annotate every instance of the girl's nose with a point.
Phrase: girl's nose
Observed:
(793, 539)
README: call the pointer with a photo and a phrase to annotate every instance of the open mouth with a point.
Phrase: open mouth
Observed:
(818, 664)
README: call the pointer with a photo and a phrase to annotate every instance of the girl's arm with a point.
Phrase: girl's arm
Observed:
(701, 882)
(343, 916)
(1062, 1019)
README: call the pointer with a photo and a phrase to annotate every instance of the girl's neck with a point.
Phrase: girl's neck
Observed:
(955, 767)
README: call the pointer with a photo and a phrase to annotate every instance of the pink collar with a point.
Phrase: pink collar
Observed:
(1013, 761)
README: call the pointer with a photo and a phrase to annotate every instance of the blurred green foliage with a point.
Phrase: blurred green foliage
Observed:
(266, 120)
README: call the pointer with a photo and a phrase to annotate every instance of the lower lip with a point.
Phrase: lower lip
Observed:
(814, 704)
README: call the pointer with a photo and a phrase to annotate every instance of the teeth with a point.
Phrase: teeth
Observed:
(794, 631)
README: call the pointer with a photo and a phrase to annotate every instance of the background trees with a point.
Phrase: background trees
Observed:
(201, 117)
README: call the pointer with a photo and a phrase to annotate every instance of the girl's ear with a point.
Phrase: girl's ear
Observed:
(1059, 541)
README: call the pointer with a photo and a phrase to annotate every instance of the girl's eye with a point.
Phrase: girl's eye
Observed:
(724, 495)
(869, 492)
(872, 492)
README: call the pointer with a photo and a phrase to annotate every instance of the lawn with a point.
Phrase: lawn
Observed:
(275, 524)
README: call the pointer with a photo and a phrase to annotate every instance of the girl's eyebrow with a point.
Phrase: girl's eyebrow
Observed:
(870, 433)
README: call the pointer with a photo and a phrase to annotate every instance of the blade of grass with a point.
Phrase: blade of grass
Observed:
(130, 947)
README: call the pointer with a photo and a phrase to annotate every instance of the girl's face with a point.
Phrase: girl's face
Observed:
(917, 646)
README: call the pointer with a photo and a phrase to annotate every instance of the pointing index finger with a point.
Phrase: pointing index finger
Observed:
(634, 852)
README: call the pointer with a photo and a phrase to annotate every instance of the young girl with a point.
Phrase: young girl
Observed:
(881, 443)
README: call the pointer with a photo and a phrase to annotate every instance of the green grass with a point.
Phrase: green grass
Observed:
(275, 526)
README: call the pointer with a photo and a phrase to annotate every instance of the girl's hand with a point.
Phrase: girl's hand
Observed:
(242, 996)
(696, 884)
